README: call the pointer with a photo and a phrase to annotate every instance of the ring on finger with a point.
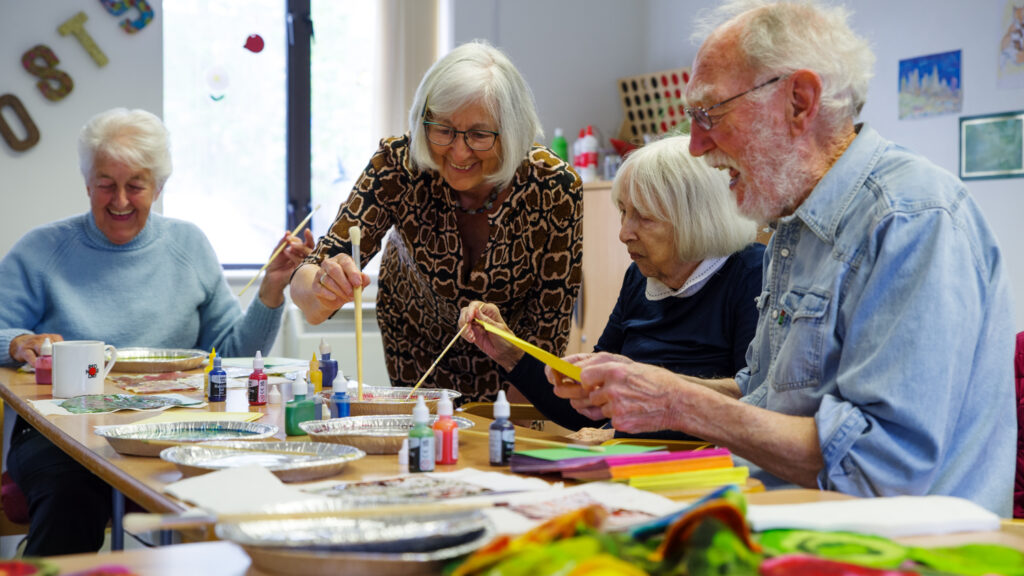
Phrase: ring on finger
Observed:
(323, 278)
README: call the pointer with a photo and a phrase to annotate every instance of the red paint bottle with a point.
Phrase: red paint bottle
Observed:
(257, 382)
(44, 363)
(446, 433)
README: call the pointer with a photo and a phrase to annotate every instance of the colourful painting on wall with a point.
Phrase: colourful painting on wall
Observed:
(1011, 46)
(930, 85)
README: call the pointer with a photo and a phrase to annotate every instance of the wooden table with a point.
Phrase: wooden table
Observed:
(143, 480)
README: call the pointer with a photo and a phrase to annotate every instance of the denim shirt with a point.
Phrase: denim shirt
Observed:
(886, 315)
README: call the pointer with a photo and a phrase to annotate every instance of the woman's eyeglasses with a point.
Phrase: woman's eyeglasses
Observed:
(441, 135)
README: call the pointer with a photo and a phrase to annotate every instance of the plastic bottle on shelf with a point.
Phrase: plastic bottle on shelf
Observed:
(577, 150)
(502, 433)
(421, 439)
(446, 432)
(588, 156)
(44, 363)
(559, 146)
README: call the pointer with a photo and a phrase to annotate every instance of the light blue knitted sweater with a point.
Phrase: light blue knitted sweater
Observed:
(163, 289)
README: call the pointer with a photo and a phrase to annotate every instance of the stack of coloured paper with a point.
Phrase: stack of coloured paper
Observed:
(645, 467)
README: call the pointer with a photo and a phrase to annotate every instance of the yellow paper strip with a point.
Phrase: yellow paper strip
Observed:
(715, 477)
(570, 370)
(197, 416)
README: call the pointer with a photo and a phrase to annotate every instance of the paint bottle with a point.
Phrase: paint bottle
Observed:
(421, 439)
(274, 397)
(328, 366)
(446, 432)
(300, 409)
(206, 372)
(218, 382)
(257, 382)
(315, 376)
(339, 403)
(502, 433)
(44, 363)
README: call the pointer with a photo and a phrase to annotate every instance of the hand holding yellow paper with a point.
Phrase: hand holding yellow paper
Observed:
(556, 363)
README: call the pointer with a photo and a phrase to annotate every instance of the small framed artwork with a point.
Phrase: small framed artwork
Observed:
(992, 146)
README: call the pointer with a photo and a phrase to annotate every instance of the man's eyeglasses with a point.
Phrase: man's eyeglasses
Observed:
(479, 140)
(702, 116)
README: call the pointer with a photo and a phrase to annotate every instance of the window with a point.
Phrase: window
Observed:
(225, 103)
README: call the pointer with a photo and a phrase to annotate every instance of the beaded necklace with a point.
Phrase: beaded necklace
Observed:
(486, 207)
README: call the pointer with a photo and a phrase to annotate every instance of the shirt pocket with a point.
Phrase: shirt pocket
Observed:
(798, 363)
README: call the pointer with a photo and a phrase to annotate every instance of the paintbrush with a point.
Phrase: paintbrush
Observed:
(432, 366)
(353, 236)
(142, 522)
(541, 442)
(279, 248)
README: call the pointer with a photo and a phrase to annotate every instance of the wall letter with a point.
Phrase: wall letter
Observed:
(118, 7)
(31, 131)
(76, 27)
(54, 84)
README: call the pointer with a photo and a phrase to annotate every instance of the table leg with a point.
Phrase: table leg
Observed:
(117, 522)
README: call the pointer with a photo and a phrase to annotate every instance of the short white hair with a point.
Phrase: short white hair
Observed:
(777, 38)
(135, 137)
(665, 183)
(477, 72)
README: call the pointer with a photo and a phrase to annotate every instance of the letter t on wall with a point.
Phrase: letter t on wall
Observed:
(76, 27)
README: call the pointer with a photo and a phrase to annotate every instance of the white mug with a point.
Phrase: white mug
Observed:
(79, 367)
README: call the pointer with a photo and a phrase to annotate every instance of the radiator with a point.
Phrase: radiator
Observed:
(299, 339)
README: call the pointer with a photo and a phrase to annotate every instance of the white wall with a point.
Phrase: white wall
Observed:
(43, 183)
(626, 38)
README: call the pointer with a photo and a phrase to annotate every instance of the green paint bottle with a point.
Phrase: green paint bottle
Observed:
(421, 439)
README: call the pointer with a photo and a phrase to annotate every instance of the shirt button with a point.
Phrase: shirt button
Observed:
(784, 252)
(775, 314)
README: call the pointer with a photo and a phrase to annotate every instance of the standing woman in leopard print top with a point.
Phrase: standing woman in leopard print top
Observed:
(477, 211)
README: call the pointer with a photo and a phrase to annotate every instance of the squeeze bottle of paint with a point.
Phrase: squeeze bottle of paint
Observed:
(446, 433)
(274, 397)
(218, 382)
(206, 372)
(421, 439)
(328, 366)
(502, 433)
(44, 363)
(315, 377)
(339, 403)
(301, 409)
(257, 382)
(559, 145)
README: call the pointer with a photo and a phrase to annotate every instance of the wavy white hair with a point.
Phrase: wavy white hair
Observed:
(780, 37)
(135, 137)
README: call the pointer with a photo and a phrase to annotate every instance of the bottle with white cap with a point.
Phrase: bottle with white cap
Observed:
(421, 439)
(446, 432)
(44, 363)
(257, 382)
(502, 433)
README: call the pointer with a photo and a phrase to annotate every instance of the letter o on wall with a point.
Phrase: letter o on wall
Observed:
(31, 131)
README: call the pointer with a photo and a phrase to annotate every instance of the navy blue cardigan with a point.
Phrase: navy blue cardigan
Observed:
(704, 335)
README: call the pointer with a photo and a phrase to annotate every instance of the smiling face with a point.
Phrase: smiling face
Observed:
(749, 136)
(120, 198)
(462, 167)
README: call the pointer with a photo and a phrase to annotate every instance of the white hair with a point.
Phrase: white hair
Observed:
(665, 183)
(777, 38)
(477, 72)
(135, 137)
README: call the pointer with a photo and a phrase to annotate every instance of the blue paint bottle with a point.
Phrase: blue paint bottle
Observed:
(328, 366)
(218, 382)
(502, 433)
(339, 403)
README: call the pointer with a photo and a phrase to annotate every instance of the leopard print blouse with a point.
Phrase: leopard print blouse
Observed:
(531, 267)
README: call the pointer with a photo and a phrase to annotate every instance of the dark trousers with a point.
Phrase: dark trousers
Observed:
(68, 506)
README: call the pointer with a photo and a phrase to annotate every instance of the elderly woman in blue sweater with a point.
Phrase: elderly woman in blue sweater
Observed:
(687, 301)
(130, 278)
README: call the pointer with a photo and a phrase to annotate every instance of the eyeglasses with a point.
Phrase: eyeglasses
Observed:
(479, 140)
(701, 116)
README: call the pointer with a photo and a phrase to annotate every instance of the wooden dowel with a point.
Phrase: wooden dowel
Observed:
(443, 352)
(279, 248)
(541, 442)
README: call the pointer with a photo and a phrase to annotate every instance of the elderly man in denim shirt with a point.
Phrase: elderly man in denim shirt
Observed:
(882, 359)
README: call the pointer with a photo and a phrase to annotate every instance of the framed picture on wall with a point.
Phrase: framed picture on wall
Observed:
(992, 146)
